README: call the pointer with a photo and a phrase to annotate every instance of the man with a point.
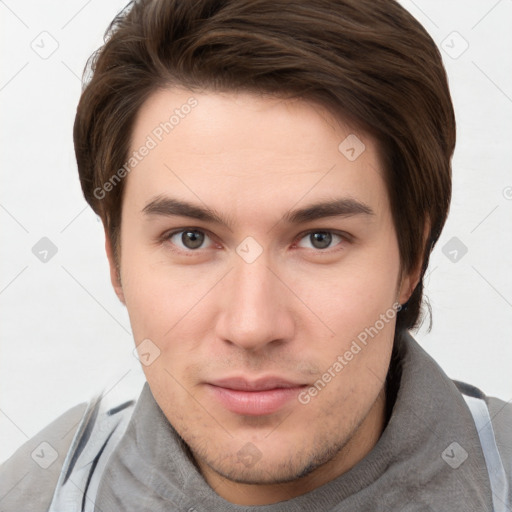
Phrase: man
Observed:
(272, 177)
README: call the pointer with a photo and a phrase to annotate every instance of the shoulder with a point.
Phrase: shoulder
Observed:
(29, 477)
(500, 413)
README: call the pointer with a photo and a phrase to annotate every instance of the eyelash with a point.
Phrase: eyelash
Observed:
(345, 238)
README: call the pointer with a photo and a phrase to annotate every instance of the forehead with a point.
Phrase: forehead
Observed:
(241, 150)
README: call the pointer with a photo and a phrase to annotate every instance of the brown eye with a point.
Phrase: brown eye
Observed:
(192, 239)
(320, 239)
(188, 239)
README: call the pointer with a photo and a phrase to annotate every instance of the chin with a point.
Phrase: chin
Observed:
(249, 465)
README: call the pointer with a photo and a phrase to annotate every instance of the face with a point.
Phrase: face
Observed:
(260, 267)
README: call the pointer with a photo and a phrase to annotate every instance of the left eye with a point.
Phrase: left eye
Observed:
(188, 239)
(320, 239)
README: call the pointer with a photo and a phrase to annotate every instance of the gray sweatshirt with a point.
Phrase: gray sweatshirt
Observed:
(428, 458)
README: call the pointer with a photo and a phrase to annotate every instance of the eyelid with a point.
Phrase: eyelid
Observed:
(168, 234)
(346, 237)
(342, 234)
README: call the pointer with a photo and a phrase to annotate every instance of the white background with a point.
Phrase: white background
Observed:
(63, 331)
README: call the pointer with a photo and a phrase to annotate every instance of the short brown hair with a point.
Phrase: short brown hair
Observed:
(369, 61)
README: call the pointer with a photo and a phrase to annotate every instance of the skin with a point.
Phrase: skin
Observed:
(289, 313)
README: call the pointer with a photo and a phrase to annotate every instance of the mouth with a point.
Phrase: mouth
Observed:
(254, 397)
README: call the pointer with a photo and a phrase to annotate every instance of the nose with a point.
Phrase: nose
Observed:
(256, 308)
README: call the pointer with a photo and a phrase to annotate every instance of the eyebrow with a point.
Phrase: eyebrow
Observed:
(343, 207)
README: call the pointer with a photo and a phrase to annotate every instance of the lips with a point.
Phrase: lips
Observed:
(254, 397)
(262, 384)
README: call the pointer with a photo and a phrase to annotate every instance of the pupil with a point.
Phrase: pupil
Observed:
(321, 239)
(192, 239)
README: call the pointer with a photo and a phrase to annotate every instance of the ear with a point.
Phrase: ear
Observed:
(411, 280)
(408, 284)
(115, 276)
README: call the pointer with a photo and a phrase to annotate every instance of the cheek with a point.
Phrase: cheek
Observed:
(353, 295)
(165, 301)
(153, 296)
(148, 301)
(374, 282)
(357, 303)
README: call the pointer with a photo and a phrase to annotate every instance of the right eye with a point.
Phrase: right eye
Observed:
(188, 239)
